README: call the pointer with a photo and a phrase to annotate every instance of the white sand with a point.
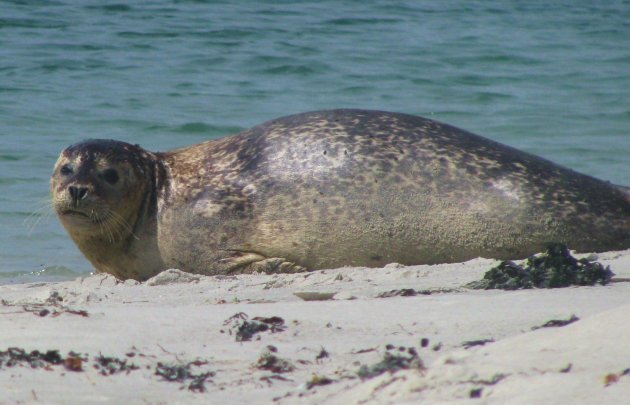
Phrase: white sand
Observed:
(178, 318)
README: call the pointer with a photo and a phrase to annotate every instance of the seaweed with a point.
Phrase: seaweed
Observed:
(54, 300)
(556, 323)
(318, 380)
(392, 363)
(269, 378)
(322, 354)
(106, 366)
(246, 329)
(15, 356)
(371, 349)
(269, 361)
(555, 268)
(612, 378)
(472, 343)
(475, 393)
(111, 365)
(182, 373)
(74, 362)
(403, 292)
(410, 292)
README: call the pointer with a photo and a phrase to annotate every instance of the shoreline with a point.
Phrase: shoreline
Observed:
(445, 343)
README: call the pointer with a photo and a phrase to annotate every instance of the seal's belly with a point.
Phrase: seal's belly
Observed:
(373, 226)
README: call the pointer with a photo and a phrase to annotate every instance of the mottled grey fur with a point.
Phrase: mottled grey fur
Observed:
(353, 187)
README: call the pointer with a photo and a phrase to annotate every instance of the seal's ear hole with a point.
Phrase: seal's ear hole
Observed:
(110, 176)
(66, 169)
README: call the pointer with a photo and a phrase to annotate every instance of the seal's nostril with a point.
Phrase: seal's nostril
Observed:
(77, 193)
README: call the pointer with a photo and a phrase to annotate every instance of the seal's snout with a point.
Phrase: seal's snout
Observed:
(77, 197)
(77, 193)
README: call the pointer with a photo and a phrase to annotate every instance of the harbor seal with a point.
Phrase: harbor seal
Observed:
(327, 189)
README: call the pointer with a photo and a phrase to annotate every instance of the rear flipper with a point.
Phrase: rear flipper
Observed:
(273, 265)
(249, 262)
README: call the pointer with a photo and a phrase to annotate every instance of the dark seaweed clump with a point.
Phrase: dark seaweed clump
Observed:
(392, 362)
(269, 361)
(318, 380)
(111, 365)
(555, 268)
(472, 343)
(182, 373)
(557, 323)
(246, 329)
(14, 356)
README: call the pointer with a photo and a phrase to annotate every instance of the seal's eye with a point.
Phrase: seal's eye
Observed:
(66, 170)
(110, 176)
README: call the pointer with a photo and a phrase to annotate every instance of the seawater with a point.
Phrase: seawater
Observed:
(551, 78)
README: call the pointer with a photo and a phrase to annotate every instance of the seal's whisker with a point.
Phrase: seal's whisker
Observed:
(43, 211)
(110, 232)
(118, 228)
(103, 225)
(120, 224)
(123, 222)
(113, 231)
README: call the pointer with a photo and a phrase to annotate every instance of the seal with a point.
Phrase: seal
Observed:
(326, 189)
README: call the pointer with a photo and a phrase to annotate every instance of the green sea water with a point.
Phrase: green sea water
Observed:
(552, 78)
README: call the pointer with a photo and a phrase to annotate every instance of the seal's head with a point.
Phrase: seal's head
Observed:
(99, 187)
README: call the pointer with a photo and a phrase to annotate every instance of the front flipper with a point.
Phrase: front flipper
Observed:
(249, 262)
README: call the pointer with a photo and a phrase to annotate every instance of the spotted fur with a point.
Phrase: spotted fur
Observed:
(354, 187)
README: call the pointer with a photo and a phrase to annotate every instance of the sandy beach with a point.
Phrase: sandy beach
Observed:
(351, 335)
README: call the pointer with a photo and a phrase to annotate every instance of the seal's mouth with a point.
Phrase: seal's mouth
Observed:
(80, 215)
(74, 213)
